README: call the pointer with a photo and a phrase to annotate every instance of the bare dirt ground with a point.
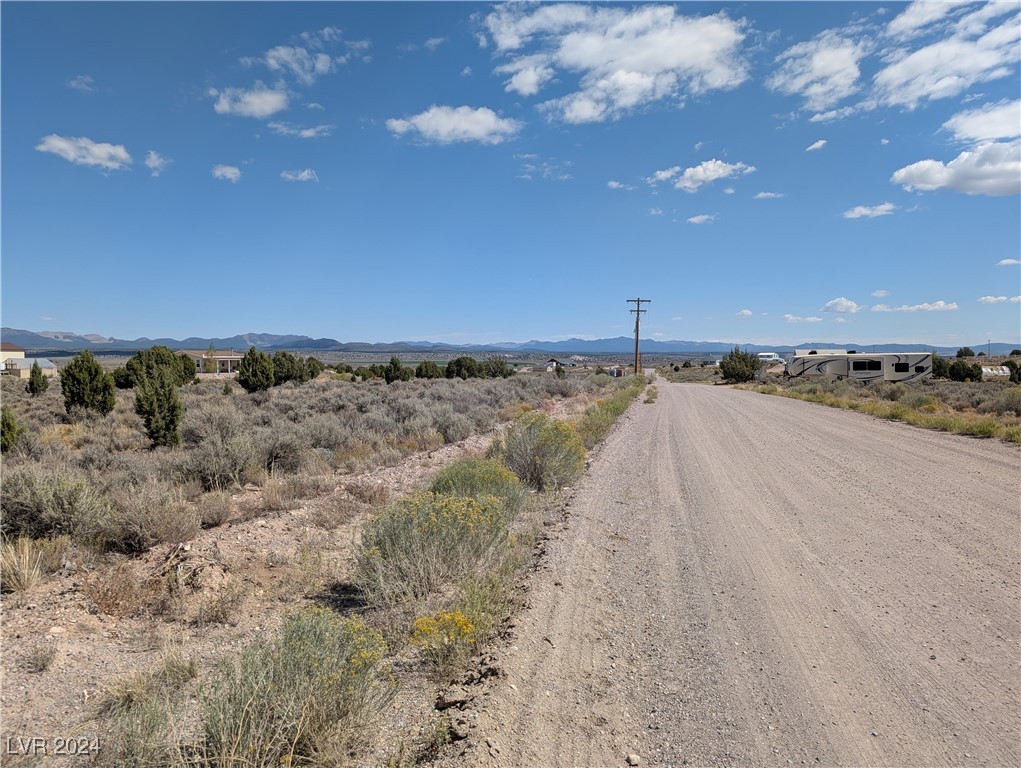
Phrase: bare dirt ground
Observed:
(749, 580)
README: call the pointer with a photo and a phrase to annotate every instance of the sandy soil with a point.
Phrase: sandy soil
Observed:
(750, 580)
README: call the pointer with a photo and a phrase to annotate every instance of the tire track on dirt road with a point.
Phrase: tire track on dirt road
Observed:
(753, 580)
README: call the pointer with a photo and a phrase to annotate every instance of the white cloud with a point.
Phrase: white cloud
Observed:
(839, 319)
(728, 191)
(816, 146)
(529, 74)
(869, 212)
(708, 172)
(884, 142)
(1007, 262)
(613, 184)
(796, 319)
(435, 42)
(702, 218)
(880, 293)
(298, 62)
(83, 151)
(1015, 299)
(948, 67)
(229, 173)
(832, 114)
(664, 175)
(992, 300)
(306, 175)
(83, 83)
(156, 163)
(989, 169)
(823, 70)
(315, 105)
(936, 306)
(286, 129)
(624, 58)
(446, 125)
(550, 170)
(466, 72)
(769, 195)
(320, 38)
(920, 14)
(260, 101)
(655, 211)
(745, 313)
(991, 121)
(841, 305)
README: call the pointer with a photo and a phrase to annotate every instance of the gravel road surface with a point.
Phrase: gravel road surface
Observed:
(756, 581)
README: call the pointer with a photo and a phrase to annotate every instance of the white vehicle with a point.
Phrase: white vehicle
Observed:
(770, 358)
(855, 366)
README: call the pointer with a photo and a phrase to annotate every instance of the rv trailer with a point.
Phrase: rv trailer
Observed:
(855, 366)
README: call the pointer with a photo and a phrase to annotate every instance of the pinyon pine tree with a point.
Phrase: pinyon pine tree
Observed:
(255, 371)
(157, 402)
(86, 385)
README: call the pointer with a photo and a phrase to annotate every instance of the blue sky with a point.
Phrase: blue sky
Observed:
(764, 172)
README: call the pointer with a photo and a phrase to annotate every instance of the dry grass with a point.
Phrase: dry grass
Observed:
(20, 565)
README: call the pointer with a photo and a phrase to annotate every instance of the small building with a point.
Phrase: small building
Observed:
(995, 372)
(11, 351)
(224, 362)
(21, 367)
(617, 372)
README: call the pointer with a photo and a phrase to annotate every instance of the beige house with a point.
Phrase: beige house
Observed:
(21, 367)
(10, 351)
(225, 362)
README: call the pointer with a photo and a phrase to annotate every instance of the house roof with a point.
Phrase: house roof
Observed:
(6, 346)
(26, 362)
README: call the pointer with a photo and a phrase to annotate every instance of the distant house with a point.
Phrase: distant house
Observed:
(225, 362)
(21, 367)
(10, 351)
(995, 372)
(552, 363)
(617, 372)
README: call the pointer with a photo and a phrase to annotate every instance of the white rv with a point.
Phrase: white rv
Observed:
(859, 366)
(770, 358)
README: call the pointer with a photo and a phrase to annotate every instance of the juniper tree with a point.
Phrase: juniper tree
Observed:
(255, 371)
(157, 402)
(86, 385)
(37, 383)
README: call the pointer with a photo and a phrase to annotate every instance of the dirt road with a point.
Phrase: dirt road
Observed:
(750, 580)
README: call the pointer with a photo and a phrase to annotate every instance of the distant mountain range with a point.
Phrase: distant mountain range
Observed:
(54, 342)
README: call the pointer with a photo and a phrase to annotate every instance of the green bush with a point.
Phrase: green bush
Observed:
(427, 369)
(965, 352)
(462, 368)
(287, 367)
(1015, 371)
(600, 418)
(544, 453)
(48, 502)
(738, 366)
(394, 371)
(478, 478)
(940, 367)
(37, 383)
(961, 371)
(419, 544)
(10, 429)
(255, 371)
(157, 402)
(292, 699)
(86, 385)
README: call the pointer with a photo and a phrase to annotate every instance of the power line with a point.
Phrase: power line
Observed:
(638, 311)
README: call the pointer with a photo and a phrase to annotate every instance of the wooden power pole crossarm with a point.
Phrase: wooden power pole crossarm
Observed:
(638, 328)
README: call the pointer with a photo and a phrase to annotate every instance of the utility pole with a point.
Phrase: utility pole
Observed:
(638, 326)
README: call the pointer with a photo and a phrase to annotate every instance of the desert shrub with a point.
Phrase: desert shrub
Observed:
(148, 514)
(463, 367)
(122, 590)
(940, 367)
(560, 386)
(598, 419)
(478, 478)
(20, 564)
(224, 446)
(418, 544)
(453, 426)
(965, 352)
(445, 640)
(41, 501)
(224, 606)
(888, 390)
(495, 368)
(1015, 371)
(85, 385)
(544, 453)
(918, 400)
(1005, 402)
(215, 509)
(255, 371)
(320, 680)
(287, 367)
(10, 430)
(394, 371)
(739, 366)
